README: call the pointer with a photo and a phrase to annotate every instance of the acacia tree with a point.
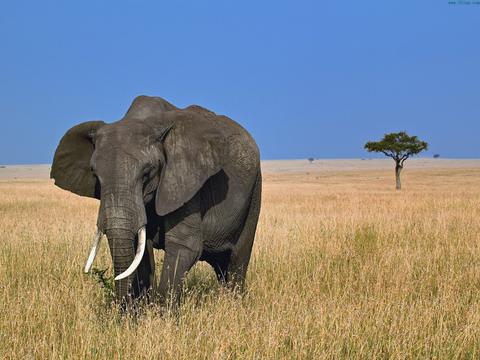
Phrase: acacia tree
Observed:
(399, 146)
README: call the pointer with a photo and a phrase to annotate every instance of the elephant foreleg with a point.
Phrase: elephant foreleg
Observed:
(177, 262)
(183, 247)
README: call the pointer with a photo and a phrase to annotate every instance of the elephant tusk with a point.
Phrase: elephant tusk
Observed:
(142, 240)
(93, 252)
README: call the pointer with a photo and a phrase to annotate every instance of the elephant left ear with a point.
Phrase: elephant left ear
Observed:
(194, 152)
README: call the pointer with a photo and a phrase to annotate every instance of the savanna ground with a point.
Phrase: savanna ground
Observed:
(343, 266)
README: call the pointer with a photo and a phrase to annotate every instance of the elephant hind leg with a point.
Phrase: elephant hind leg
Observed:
(240, 257)
(219, 262)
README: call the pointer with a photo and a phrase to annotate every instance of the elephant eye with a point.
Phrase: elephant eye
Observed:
(147, 171)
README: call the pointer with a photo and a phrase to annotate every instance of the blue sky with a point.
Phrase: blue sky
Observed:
(306, 78)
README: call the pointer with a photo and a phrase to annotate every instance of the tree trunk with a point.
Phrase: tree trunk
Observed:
(398, 169)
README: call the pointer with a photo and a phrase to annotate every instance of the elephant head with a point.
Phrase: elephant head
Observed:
(156, 154)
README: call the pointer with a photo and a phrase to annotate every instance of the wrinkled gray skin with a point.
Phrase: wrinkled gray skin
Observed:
(191, 176)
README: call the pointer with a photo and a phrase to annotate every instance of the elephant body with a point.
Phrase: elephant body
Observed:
(189, 177)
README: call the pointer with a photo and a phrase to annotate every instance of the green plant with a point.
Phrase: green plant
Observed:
(107, 282)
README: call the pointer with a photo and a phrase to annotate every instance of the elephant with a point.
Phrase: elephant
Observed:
(187, 181)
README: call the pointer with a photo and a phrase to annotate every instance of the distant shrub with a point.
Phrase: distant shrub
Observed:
(310, 160)
(435, 156)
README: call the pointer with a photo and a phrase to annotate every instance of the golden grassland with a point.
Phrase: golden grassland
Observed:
(343, 267)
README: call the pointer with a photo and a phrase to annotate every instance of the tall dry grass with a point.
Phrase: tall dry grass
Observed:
(343, 267)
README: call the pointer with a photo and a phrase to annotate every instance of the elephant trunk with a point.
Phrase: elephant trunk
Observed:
(122, 250)
(121, 216)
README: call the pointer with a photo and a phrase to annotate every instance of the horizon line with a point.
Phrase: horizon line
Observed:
(298, 159)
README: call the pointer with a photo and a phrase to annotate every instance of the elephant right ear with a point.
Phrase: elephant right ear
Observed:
(71, 163)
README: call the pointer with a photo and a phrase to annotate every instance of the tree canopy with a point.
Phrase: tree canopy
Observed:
(399, 146)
